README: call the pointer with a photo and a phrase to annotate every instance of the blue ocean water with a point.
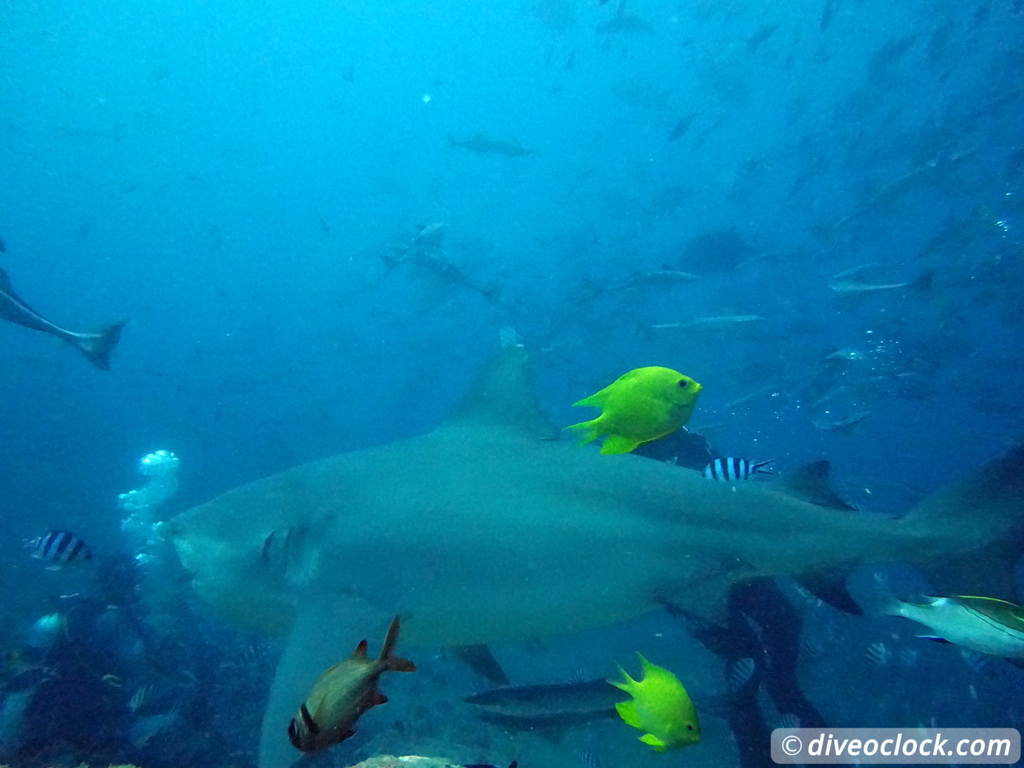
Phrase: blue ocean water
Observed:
(250, 183)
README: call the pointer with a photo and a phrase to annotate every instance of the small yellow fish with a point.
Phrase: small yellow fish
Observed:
(660, 706)
(638, 407)
(342, 694)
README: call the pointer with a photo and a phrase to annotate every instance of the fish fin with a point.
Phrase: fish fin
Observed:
(810, 483)
(392, 260)
(390, 640)
(830, 586)
(645, 665)
(705, 601)
(399, 664)
(586, 431)
(480, 659)
(923, 282)
(987, 500)
(98, 346)
(596, 400)
(618, 444)
(627, 711)
(503, 397)
(934, 639)
(379, 698)
(653, 741)
(360, 651)
(626, 683)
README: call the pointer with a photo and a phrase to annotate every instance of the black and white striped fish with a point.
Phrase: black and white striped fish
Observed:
(60, 547)
(727, 469)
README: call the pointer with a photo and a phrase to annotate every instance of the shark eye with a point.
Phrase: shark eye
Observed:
(682, 383)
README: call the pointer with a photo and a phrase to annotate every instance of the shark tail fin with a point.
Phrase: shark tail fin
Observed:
(98, 346)
(387, 659)
(983, 512)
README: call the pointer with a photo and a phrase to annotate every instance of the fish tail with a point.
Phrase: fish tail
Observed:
(387, 658)
(98, 346)
(586, 431)
(923, 282)
(879, 599)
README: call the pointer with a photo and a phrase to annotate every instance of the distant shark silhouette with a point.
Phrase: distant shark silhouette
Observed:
(95, 346)
(487, 529)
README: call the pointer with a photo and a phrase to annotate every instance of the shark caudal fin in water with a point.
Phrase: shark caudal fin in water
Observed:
(436, 527)
(95, 346)
(98, 346)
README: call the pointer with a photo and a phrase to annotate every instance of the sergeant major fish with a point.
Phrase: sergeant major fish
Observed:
(342, 694)
(95, 346)
(59, 548)
(730, 469)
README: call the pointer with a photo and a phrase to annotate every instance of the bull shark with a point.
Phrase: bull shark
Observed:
(95, 346)
(491, 529)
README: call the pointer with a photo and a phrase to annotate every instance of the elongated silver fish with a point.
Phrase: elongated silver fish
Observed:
(95, 346)
(482, 144)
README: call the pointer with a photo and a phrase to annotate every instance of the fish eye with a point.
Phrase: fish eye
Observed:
(689, 727)
(682, 383)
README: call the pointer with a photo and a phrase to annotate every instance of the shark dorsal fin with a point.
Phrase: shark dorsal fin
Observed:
(809, 483)
(502, 397)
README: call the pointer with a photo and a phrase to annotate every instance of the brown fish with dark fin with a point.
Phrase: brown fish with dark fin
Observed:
(342, 694)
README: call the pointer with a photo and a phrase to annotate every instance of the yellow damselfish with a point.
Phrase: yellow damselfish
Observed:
(638, 407)
(660, 706)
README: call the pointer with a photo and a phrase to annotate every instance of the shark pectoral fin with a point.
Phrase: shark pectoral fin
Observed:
(615, 444)
(315, 643)
(480, 659)
(810, 483)
(830, 587)
(706, 600)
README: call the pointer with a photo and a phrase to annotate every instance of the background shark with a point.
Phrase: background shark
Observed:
(95, 346)
(489, 529)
